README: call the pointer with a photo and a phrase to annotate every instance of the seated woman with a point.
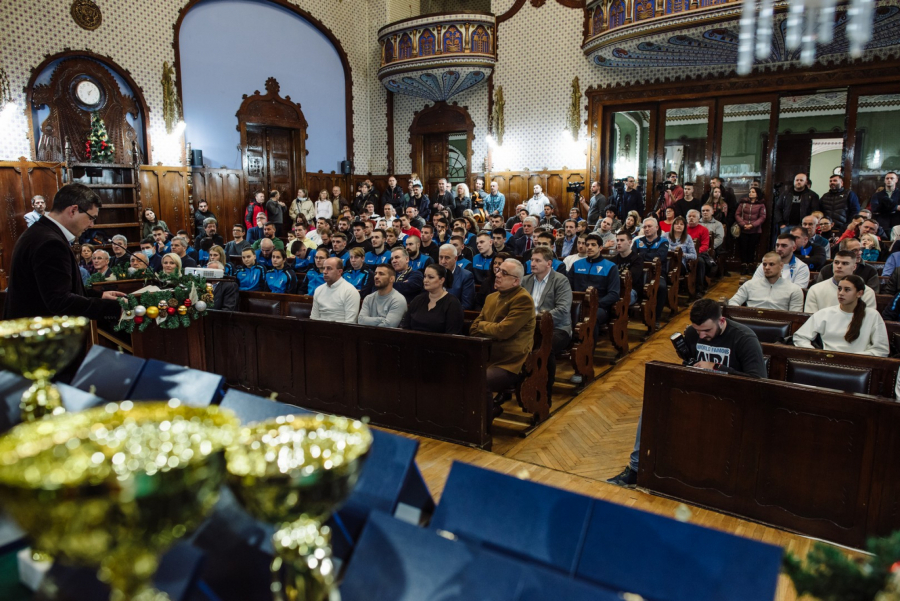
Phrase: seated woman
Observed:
(632, 224)
(848, 327)
(314, 277)
(87, 254)
(171, 265)
(678, 238)
(150, 221)
(666, 224)
(280, 278)
(217, 255)
(356, 272)
(436, 310)
(250, 276)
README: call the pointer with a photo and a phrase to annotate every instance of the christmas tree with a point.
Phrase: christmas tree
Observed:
(98, 149)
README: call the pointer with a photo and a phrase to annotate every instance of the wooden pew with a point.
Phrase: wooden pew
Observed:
(883, 301)
(824, 464)
(618, 327)
(673, 279)
(584, 321)
(429, 384)
(846, 372)
(645, 309)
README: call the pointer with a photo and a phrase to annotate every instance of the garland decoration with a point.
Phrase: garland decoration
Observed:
(186, 299)
(121, 272)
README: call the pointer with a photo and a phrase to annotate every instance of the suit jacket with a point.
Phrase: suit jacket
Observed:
(463, 288)
(225, 296)
(556, 299)
(520, 245)
(44, 279)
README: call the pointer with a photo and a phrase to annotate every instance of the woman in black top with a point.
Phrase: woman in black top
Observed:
(434, 310)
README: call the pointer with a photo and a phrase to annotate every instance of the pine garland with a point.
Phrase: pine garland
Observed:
(170, 308)
(98, 148)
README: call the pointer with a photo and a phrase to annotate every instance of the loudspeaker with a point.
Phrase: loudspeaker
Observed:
(346, 167)
(196, 158)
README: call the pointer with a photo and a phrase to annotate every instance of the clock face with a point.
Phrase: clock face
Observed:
(88, 93)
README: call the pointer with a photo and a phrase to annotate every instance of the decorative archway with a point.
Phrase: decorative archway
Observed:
(345, 61)
(438, 119)
(273, 142)
(111, 98)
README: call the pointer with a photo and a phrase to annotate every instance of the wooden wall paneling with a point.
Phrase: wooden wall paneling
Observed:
(222, 189)
(326, 181)
(13, 185)
(519, 192)
(518, 187)
(165, 189)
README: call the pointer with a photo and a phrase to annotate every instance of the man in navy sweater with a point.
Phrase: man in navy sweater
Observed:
(603, 275)
(650, 247)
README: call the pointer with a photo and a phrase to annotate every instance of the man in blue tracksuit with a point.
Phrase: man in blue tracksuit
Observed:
(603, 275)
(652, 246)
(482, 263)
(380, 253)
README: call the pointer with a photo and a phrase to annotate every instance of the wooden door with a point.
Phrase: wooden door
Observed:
(255, 158)
(280, 167)
(436, 160)
(792, 156)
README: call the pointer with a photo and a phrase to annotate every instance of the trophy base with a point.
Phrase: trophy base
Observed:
(40, 400)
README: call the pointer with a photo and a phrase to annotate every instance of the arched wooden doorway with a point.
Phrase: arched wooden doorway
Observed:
(430, 138)
(273, 142)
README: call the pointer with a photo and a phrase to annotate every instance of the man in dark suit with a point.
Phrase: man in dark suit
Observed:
(44, 278)
(463, 282)
(225, 293)
(526, 241)
(551, 292)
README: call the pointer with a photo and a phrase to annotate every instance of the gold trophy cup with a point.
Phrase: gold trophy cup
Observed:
(113, 487)
(294, 471)
(38, 347)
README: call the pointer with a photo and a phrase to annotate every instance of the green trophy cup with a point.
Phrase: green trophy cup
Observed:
(294, 471)
(114, 487)
(38, 347)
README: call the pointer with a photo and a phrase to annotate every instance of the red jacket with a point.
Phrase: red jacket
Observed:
(700, 235)
(252, 211)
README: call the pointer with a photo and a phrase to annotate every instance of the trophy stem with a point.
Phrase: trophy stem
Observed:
(303, 569)
(41, 399)
(128, 573)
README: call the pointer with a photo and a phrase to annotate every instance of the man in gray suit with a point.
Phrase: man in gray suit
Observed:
(551, 292)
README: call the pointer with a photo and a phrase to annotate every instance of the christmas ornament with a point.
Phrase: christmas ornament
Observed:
(140, 310)
(200, 306)
(152, 312)
(163, 305)
(171, 310)
(129, 313)
(138, 319)
(187, 302)
(182, 310)
(173, 302)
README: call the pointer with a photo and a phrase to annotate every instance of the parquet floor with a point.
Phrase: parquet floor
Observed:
(590, 439)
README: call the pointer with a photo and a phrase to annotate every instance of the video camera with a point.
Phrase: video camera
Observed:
(664, 186)
(575, 187)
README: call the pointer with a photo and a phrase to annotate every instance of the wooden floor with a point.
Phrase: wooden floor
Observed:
(590, 440)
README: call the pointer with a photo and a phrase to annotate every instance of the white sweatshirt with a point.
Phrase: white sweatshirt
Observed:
(831, 324)
(824, 294)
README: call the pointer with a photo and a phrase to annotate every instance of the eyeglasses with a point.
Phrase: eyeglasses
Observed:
(505, 273)
(91, 216)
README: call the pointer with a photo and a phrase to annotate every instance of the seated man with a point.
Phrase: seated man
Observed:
(408, 281)
(120, 257)
(551, 292)
(567, 244)
(238, 244)
(337, 300)
(548, 219)
(100, 259)
(210, 225)
(386, 307)
(652, 246)
(482, 262)
(603, 275)
(462, 282)
(806, 251)
(502, 243)
(339, 247)
(714, 342)
(417, 259)
(701, 238)
(868, 273)
(250, 276)
(579, 251)
(771, 291)
(356, 273)
(379, 253)
(715, 228)
(824, 294)
(226, 294)
(179, 247)
(258, 232)
(545, 239)
(508, 320)
(264, 254)
(627, 258)
(149, 250)
(791, 268)
(526, 241)
(268, 234)
(606, 233)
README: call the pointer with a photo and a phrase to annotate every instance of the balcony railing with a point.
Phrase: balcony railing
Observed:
(466, 39)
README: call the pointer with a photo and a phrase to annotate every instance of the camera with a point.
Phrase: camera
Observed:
(664, 186)
(682, 349)
(575, 187)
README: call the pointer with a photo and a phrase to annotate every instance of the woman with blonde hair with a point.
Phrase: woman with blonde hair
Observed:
(324, 206)
(171, 265)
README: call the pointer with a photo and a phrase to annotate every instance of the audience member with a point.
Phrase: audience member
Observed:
(885, 202)
(179, 247)
(770, 291)
(795, 203)
(386, 308)
(380, 253)
(811, 225)
(226, 294)
(314, 275)
(150, 222)
(257, 206)
(119, 247)
(848, 327)
(337, 300)
(100, 260)
(750, 217)
(408, 281)
(650, 246)
(280, 278)
(238, 244)
(462, 282)
(500, 241)
(437, 311)
(666, 223)
(868, 273)
(171, 265)
(149, 250)
(200, 216)
(302, 205)
(38, 206)
(482, 262)
(567, 244)
(257, 233)
(357, 274)
(824, 294)
(688, 203)
(606, 233)
(713, 226)
(580, 251)
(508, 320)
(678, 238)
(630, 199)
(551, 292)
(535, 205)
(792, 269)
(627, 259)
(813, 256)
(250, 276)
(714, 342)
(599, 273)
(417, 260)
(594, 209)
(838, 204)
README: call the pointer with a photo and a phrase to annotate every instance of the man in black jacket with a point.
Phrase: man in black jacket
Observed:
(794, 204)
(885, 202)
(811, 254)
(393, 196)
(44, 277)
(727, 195)
(627, 258)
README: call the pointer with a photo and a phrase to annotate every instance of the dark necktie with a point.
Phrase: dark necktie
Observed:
(528, 243)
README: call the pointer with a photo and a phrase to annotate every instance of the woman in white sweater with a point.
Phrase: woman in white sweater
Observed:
(324, 207)
(848, 327)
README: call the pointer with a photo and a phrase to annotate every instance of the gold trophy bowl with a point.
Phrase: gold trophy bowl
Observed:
(38, 347)
(294, 471)
(113, 487)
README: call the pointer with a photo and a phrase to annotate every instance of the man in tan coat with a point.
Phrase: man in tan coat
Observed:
(508, 319)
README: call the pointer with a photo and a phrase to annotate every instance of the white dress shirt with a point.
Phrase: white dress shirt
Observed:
(538, 291)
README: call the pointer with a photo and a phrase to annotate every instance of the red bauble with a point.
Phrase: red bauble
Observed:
(187, 302)
(171, 310)
(139, 320)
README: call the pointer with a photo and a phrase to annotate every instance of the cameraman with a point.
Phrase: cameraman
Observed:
(596, 209)
(712, 342)
(671, 193)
